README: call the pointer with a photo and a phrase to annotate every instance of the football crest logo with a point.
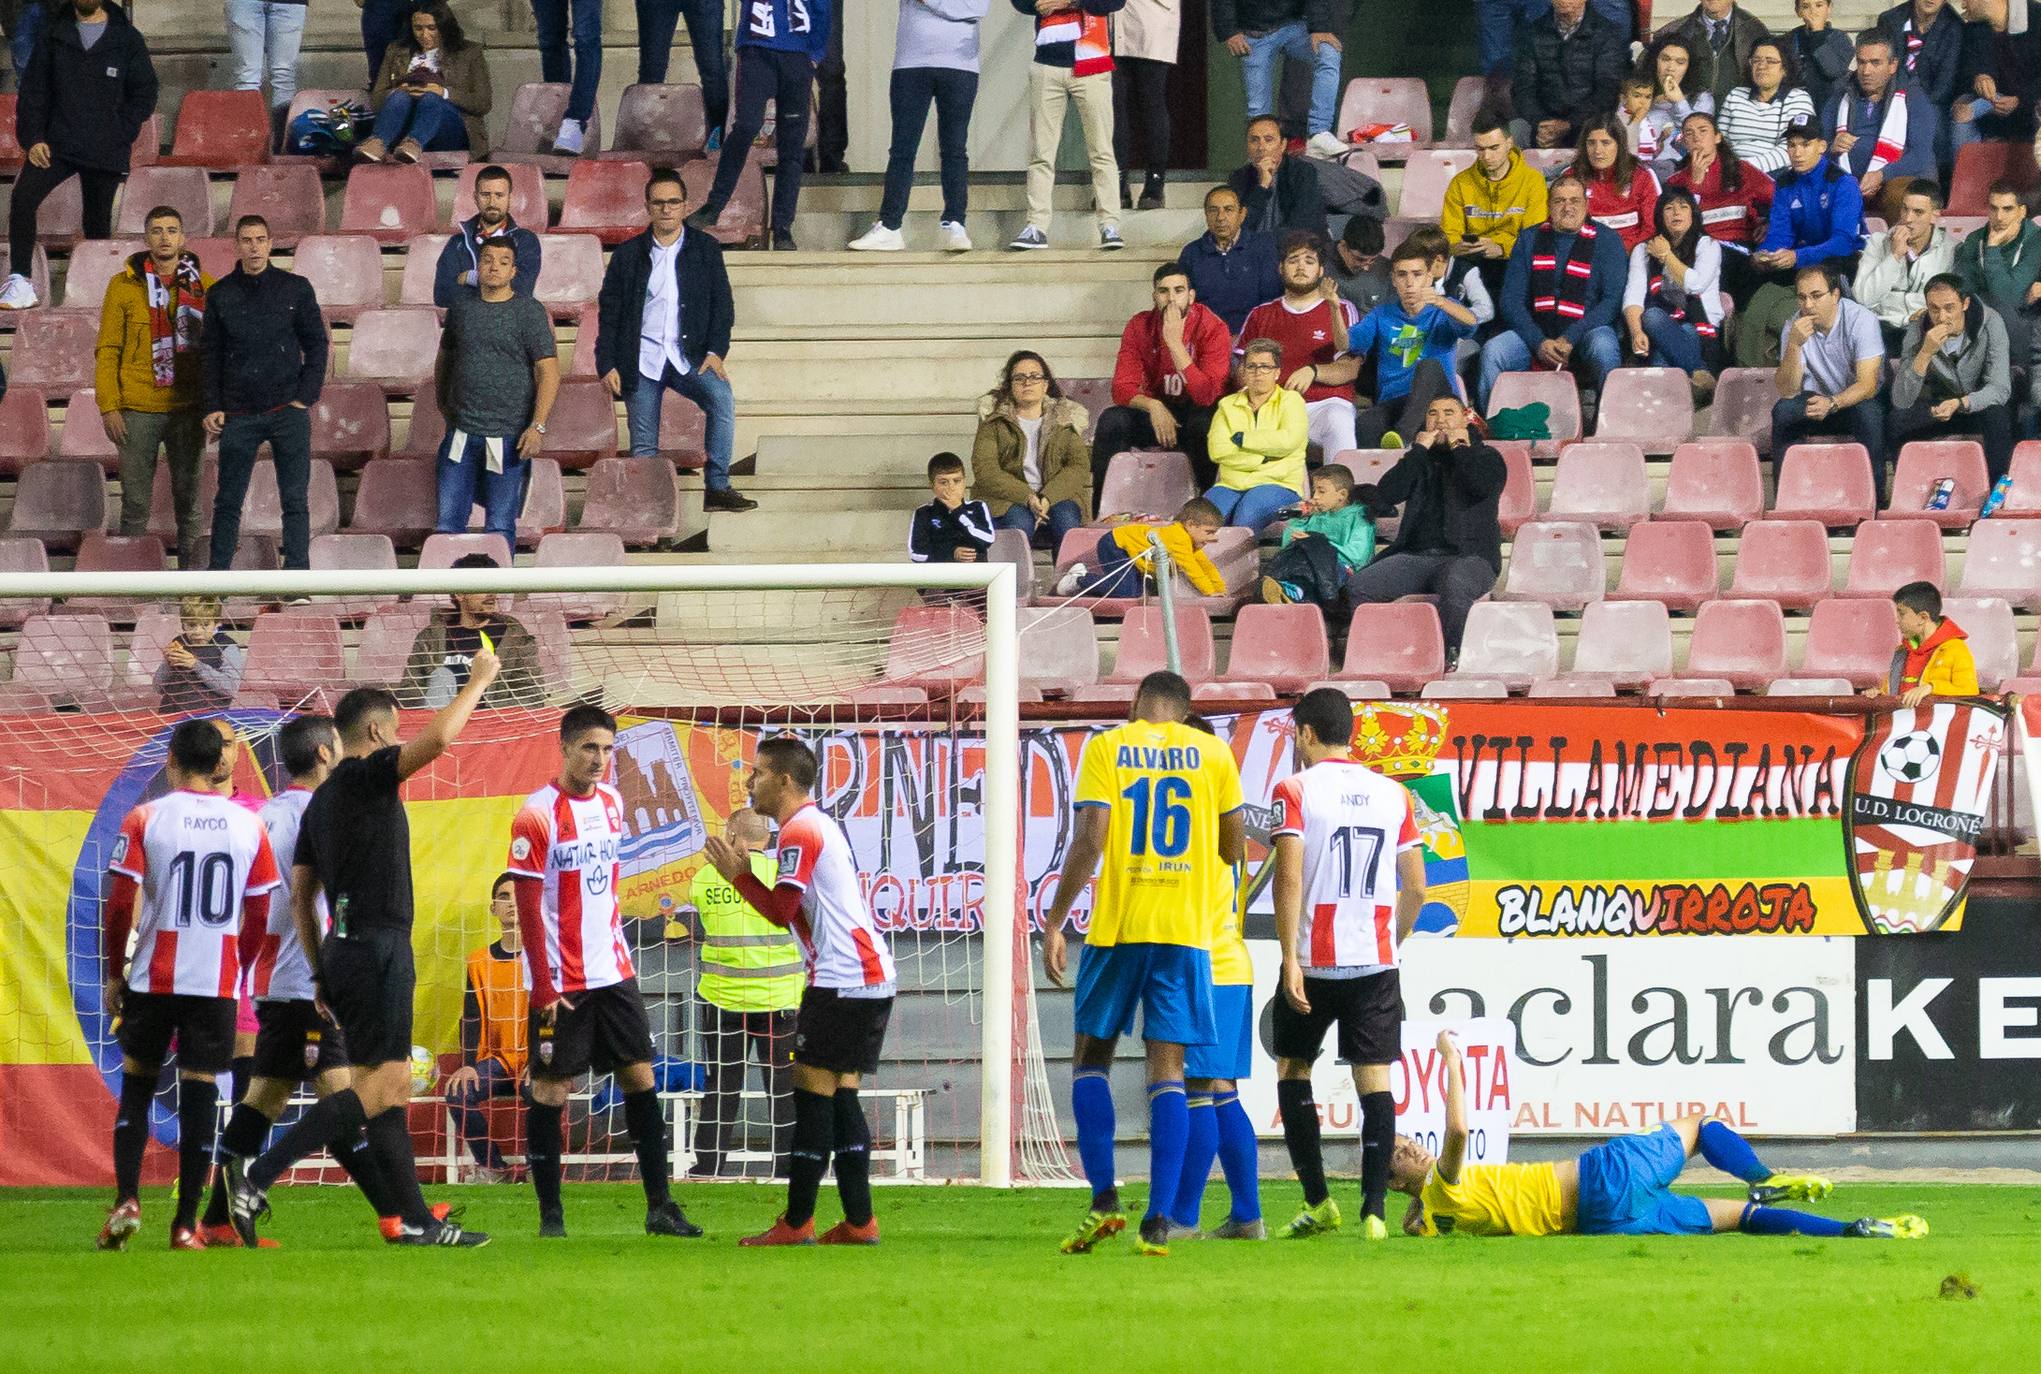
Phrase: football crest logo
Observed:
(520, 849)
(1918, 788)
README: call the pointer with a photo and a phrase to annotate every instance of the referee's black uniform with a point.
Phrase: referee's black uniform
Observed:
(357, 840)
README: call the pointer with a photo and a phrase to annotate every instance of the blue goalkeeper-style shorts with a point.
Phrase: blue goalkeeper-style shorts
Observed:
(1171, 986)
(1626, 1188)
(1231, 1053)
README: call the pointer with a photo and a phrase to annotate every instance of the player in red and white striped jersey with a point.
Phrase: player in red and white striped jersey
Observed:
(848, 1001)
(586, 1011)
(1348, 888)
(202, 869)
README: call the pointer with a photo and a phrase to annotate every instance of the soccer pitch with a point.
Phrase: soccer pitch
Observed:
(970, 1280)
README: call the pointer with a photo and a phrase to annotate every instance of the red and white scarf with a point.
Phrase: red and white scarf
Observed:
(1891, 142)
(177, 309)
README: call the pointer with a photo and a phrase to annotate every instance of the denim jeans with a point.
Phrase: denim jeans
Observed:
(263, 40)
(1253, 508)
(1063, 517)
(1262, 68)
(465, 484)
(719, 407)
(431, 119)
(953, 93)
(656, 22)
(785, 78)
(381, 23)
(1598, 353)
(288, 432)
(584, 68)
(1864, 423)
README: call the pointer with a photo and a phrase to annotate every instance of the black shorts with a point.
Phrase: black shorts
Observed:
(293, 1042)
(204, 1027)
(1369, 1012)
(606, 1030)
(367, 979)
(839, 1034)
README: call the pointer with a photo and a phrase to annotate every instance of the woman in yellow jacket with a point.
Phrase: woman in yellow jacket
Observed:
(1257, 441)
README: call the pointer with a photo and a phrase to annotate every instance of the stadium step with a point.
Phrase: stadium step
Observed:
(848, 459)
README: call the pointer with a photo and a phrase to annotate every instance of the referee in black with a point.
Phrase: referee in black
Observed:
(355, 848)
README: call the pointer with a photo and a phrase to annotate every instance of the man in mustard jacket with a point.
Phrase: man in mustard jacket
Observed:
(1933, 658)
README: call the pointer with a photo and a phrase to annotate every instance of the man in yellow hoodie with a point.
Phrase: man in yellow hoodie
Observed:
(1490, 203)
(147, 378)
(1933, 658)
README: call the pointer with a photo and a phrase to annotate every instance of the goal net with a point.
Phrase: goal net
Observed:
(900, 678)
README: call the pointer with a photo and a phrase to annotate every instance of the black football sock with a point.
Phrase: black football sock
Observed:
(244, 1074)
(198, 1127)
(1300, 1133)
(131, 1134)
(1378, 1143)
(814, 1138)
(647, 1125)
(358, 1162)
(389, 1136)
(328, 1120)
(246, 1131)
(542, 1147)
(853, 1158)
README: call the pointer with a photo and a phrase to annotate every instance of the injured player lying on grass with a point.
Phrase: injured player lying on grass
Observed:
(1623, 1187)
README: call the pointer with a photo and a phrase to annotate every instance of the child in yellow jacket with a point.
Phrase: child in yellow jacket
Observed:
(1125, 555)
(1933, 658)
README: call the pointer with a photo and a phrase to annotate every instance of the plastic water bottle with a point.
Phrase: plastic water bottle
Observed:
(1999, 490)
(1938, 499)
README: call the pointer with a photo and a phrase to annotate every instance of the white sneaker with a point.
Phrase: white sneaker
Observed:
(570, 139)
(18, 294)
(1327, 144)
(1069, 582)
(955, 239)
(878, 239)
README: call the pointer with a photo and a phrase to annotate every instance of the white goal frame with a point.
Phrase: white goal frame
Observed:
(998, 581)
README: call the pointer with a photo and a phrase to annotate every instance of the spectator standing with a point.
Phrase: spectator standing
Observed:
(1892, 278)
(1559, 299)
(263, 39)
(657, 20)
(1257, 441)
(460, 261)
(665, 313)
(148, 368)
(1144, 52)
(1672, 305)
(1413, 338)
(383, 22)
(202, 665)
(1830, 358)
(1954, 374)
(1755, 117)
(1568, 68)
(778, 44)
(496, 377)
(1073, 66)
(2000, 79)
(1232, 268)
(265, 351)
(1029, 463)
(1621, 192)
(1735, 198)
(1817, 217)
(935, 61)
(1928, 41)
(949, 529)
(1882, 137)
(431, 93)
(1719, 35)
(1262, 33)
(494, 1034)
(88, 89)
(2000, 265)
(1312, 325)
(832, 106)
(1933, 658)
(444, 651)
(579, 67)
(1280, 192)
(1821, 54)
(1172, 367)
(1489, 204)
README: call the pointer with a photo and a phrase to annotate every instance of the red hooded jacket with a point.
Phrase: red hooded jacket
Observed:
(1145, 368)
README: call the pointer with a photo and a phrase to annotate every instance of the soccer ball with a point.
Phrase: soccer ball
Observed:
(1911, 758)
(424, 1070)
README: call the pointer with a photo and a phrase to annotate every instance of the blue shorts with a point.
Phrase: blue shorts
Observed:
(1626, 1188)
(1170, 984)
(1231, 1055)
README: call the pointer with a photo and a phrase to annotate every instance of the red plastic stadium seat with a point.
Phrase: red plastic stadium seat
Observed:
(346, 272)
(287, 194)
(1219, 693)
(84, 432)
(12, 154)
(606, 199)
(2025, 496)
(1810, 687)
(1669, 561)
(1513, 642)
(66, 658)
(545, 505)
(660, 124)
(353, 552)
(94, 263)
(1555, 389)
(1922, 464)
(570, 273)
(1017, 551)
(292, 656)
(1572, 685)
(1784, 561)
(1604, 484)
(54, 350)
(350, 424)
(1282, 646)
(583, 425)
(57, 501)
(1093, 393)
(39, 277)
(1852, 639)
(535, 114)
(1469, 93)
(426, 427)
(442, 550)
(582, 363)
(1650, 406)
(389, 201)
(24, 423)
(1519, 503)
(140, 556)
(1742, 406)
(936, 648)
(1146, 483)
(743, 219)
(1742, 641)
(262, 511)
(163, 508)
(1386, 100)
(1557, 562)
(1885, 555)
(394, 346)
(216, 256)
(1547, 162)
(1626, 642)
(1690, 687)
(1994, 639)
(1978, 165)
(398, 497)
(1826, 482)
(1425, 178)
(2003, 559)
(683, 430)
(528, 205)
(580, 549)
(184, 187)
(1398, 643)
(1715, 480)
(421, 266)
(1058, 649)
(384, 649)
(221, 130)
(19, 555)
(60, 223)
(1143, 648)
(1457, 687)
(636, 499)
(315, 98)
(1357, 689)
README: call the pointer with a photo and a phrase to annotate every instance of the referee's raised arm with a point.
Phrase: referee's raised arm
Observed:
(443, 729)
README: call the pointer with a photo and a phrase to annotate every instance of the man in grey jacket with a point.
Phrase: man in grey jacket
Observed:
(1898, 265)
(1955, 375)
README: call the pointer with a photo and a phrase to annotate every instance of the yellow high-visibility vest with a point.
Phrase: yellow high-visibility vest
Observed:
(748, 963)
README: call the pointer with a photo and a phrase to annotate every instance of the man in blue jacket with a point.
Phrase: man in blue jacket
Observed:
(460, 259)
(778, 44)
(1560, 295)
(1232, 268)
(664, 317)
(1817, 217)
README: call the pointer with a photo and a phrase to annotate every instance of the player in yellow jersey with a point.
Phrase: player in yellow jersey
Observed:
(1623, 1187)
(1161, 805)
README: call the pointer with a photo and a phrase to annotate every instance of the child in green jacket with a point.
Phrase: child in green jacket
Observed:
(1334, 536)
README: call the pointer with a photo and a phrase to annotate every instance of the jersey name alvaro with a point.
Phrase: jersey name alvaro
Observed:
(197, 856)
(573, 846)
(1353, 823)
(282, 973)
(840, 941)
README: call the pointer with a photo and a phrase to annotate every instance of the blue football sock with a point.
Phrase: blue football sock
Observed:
(1731, 1153)
(1201, 1147)
(1239, 1156)
(1169, 1122)
(1091, 1102)
(1784, 1221)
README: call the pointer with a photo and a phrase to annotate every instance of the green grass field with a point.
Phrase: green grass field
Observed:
(971, 1281)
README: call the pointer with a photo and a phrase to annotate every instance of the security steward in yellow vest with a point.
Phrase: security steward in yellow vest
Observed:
(751, 982)
(493, 1031)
